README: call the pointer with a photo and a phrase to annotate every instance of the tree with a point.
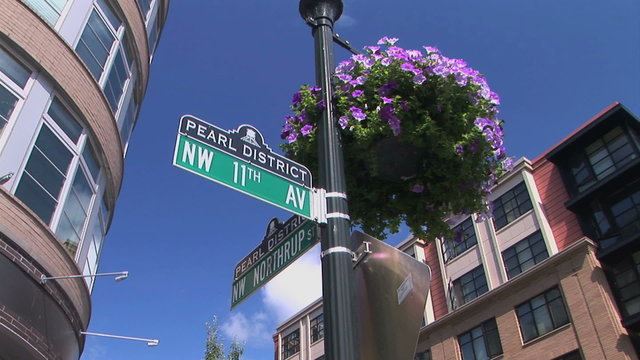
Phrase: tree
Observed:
(215, 344)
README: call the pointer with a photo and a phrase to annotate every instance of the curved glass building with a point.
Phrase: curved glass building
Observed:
(73, 74)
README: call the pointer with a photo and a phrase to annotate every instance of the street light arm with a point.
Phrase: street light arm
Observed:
(150, 342)
(121, 275)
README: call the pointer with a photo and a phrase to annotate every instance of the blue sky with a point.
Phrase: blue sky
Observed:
(555, 64)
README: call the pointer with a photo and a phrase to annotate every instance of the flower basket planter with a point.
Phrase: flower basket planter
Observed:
(395, 160)
(420, 137)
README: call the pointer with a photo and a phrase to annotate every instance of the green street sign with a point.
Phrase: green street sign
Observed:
(240, 160)
(291, 247)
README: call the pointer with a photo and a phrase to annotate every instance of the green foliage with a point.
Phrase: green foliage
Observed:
(437, 106)
(215, 346)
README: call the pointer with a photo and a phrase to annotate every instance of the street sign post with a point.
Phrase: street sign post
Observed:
(240, 159)
(283, 243)
(391, 292)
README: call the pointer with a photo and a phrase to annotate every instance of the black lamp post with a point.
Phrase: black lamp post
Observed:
(337, 268)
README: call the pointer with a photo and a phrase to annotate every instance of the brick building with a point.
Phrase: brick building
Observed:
(555, 274)
(73, 74)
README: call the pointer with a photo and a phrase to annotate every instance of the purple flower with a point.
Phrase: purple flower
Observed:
(459, 149)
(357, 93)
(366, 61)
(414, 54)
(507, 164)
(417, 188)
(419, 79)
(387, 113)
(387, 41)
(431, 49)
(386, 61)
(343, 121)
(372, 49)
(494, 98)
(321, 104)
(482, 123)
(474, 146)
(297, 98)
(386, 100)
(345, 66)
(357, 113)
(407, 66)
(344, 77)
(303, 118)
(385, 90)
(292, 137)
(306, 130)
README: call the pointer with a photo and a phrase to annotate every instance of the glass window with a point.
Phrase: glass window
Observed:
(423, 355)
(8, 102)
(49, 10)
(102, 39)
(115, 85)
(542, 314)
(574, 355)
(291, 344)
(511, 205)
(469, 286)
(602, 157)
(317, 328)
(63, 118)
(15, 71)
(91, 162)
(16, 79)
(62, 155)
(145, 6)
(626, 283)
(96, 233)
(482, 342)
(616, 217)
(75, 212)
(524, 254)
(128, 122)
(95, 44)
(44, 174)
(465, 238)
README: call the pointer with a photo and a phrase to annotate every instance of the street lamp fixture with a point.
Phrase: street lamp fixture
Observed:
(150, 342)
(5, 178)
(119, 276)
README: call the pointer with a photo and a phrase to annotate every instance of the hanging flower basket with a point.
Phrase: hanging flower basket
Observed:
(420, 137)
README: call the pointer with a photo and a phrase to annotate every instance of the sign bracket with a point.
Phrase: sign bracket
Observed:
(319, 203)
(361, 253)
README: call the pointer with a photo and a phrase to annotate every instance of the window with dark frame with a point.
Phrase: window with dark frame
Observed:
(465, 238)
(625, 274)
(616, 217)
(317, 328)
(291, 344)
(17, 75)
(482, 342)
(601, 157)
(525, 254)
(511, 205)
(423, 355)
(574, 355)
(469, 286)
(542, 314)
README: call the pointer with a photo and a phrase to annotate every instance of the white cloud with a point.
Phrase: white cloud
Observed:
(296, 287)
(239, 327)
(346, 21)
(95, 352)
